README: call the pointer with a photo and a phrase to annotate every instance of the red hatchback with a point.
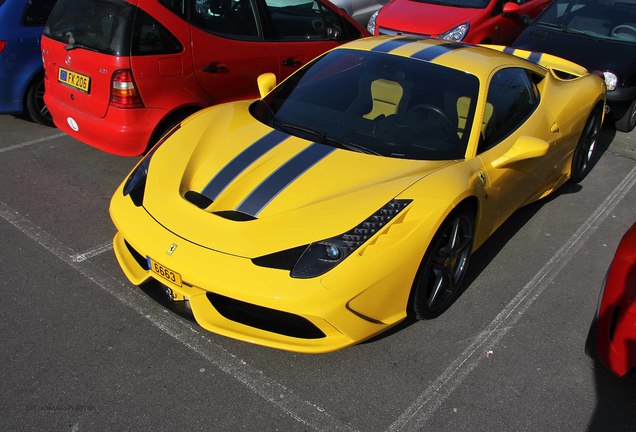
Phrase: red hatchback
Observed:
(121, 73)
(472, 21)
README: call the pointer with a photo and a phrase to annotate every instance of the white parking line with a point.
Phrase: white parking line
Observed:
(303, 411)
(93, 252)
(35, 141)
(420, 411)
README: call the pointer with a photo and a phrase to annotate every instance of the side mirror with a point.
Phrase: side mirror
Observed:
(526, 147)
(266, 83)
(510, 8)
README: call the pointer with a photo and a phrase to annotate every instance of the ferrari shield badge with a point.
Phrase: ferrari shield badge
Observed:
(172, 248)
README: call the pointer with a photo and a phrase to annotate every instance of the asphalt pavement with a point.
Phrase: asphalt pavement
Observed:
(82, 349)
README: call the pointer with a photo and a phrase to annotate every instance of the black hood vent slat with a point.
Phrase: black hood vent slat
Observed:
(198, 199)
(234, 215)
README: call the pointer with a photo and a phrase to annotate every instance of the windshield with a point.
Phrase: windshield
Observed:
(602, 19)
(375, 103)
(476, 4)
(104, 26)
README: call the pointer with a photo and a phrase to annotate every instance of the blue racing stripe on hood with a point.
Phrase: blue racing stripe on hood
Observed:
(241, 162)
(392, 44)
(432, 52)
(273, 185)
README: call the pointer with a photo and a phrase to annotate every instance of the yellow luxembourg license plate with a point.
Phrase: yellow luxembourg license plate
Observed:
(74, 79)
(164, 272)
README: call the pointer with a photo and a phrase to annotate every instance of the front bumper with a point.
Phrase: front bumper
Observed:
(231, 296)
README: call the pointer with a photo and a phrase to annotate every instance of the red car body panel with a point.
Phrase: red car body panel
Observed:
(171, 85)
(616, 319)
(486, 25)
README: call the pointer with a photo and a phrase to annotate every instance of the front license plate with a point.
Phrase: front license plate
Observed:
(74, 79)
(164, 272)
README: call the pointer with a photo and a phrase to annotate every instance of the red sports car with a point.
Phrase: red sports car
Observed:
(119, 74)
(613, 331)
(473, 21)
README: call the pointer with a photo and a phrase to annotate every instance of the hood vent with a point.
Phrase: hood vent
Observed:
(204, 202)
(234, 215)
(198, 199)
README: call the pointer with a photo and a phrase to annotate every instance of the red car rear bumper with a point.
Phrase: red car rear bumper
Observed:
(125, 132)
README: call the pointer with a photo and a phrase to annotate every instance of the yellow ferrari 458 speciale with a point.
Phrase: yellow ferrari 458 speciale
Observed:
(352, 195)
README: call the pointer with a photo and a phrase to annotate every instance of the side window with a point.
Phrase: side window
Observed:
(37, 12)
(150, 37)
(338, 28)
(304, 20)
(233, 18)
(176, 6)
(513, 97)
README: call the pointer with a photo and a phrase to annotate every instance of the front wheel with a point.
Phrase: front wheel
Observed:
(586, 148)
(442, 270)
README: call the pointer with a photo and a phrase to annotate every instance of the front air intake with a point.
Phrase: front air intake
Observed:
(263, 318)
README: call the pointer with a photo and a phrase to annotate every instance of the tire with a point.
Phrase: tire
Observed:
(36, 108)
(587, 147)
(444, 266)
(628, 121)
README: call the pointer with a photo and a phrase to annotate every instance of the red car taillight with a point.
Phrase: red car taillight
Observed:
(3, 44)
(124, 93)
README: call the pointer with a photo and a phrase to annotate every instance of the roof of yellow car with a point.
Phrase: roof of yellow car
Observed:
(479, 60)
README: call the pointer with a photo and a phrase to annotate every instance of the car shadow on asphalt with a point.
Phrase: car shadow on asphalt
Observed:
(615, 401)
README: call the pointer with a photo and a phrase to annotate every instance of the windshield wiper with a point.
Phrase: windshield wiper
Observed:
(70, 47)
(566, 29)
(323, 138)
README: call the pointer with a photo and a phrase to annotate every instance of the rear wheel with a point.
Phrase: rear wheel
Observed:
(35, 105)
(442, 270)
(628, 121)
(587, 147)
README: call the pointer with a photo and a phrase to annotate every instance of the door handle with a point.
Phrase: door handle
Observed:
(290, 61)
(215, 68)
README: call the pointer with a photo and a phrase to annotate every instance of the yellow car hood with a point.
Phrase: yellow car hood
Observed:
(289, 193)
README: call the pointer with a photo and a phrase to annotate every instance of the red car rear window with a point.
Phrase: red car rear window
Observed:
(104, 26)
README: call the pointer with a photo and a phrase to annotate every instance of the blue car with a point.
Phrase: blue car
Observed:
(21, 71)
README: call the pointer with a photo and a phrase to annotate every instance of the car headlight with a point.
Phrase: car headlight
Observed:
(306, 262)
(456, 34)
(135, 186)
(611, 80)
(371, 24)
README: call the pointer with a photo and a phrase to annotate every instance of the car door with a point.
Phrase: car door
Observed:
(229, 50)
(514, 100)
(304, 29)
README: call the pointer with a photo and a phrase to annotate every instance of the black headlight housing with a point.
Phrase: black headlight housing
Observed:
(319, 257)
(135, 186)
